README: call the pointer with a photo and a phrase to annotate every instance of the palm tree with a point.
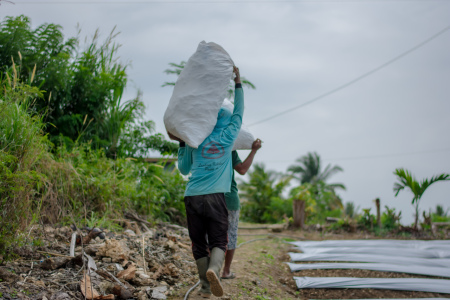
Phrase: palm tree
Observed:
(308, 170)
(406, 179)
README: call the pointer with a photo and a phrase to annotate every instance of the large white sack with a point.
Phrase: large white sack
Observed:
(198, 94)
(245, 138)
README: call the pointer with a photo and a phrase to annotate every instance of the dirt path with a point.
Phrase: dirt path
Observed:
(261, 272)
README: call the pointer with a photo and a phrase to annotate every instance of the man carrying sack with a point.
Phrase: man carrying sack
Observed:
(211, 170)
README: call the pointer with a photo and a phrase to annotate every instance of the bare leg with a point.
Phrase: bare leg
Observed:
(228, 259)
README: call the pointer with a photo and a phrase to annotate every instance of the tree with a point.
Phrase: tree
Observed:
(263, 189)
(84, 89)
(407, 180)
(308, 170)
(177, 68)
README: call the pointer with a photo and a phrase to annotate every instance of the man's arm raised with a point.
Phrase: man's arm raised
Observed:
(243, 167)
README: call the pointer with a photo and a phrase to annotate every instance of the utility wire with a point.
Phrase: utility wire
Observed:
(220, 2)
(373, 156)
(421, 44)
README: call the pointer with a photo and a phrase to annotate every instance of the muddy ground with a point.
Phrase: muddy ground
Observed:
(157, 264)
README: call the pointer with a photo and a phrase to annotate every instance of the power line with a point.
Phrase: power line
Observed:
(421, 44)
(373, 156)
(221, 2)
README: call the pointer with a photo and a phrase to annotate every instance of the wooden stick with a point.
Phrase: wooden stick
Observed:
(54, 254)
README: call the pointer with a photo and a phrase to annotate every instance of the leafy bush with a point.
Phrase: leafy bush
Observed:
(366, 220)
(390, 219)
(350, 210)
(440, 215)
(262, 193)
(346, 224)
(277, 209)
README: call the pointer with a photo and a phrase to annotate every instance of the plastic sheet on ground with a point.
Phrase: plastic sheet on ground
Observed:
(423, 270)
(412, 261)
(403, 284)
(406, 252)
(393, 299)
(419, 244)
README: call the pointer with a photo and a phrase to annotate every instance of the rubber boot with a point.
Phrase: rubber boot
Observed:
(215, 264)
(202, 267)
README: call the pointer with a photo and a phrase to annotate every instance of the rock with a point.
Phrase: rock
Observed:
(92, 249)
(117, 250)
(148, 234)
(118, 267)
(49, 229)
(60, 296)
(142, 295)
(159, 292)
(129, 232)
(106, 286)
(139, 281)
(54, 263)
(121, 292)
(171, 244)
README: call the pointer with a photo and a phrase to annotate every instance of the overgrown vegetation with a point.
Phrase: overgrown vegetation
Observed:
(70, 149)
(266, 199)
(70, 186)
(83, 89)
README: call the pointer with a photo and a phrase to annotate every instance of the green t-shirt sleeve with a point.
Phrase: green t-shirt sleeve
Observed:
(235, 158)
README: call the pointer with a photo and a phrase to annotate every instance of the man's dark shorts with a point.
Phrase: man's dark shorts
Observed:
(207, 215)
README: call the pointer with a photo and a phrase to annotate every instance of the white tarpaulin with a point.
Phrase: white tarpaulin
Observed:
(409, 252)
(413, 261)
(422, 270)
(403, 284)
(393, 299)
(419, 244)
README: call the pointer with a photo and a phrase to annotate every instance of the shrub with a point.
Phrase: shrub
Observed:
(390, 219)
(366, 220)
(21, 146)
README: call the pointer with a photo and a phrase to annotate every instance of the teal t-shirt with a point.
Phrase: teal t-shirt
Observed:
(232, 198)
(210, 164)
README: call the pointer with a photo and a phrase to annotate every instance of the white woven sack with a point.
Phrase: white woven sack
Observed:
(198, 94)
(245, 138)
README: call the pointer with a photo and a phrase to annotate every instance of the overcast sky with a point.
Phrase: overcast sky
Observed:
(294, 51)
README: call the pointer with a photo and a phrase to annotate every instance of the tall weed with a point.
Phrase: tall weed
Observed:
(22, 144)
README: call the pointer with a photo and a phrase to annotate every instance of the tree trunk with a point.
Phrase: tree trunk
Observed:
(416, 221)
(299, 213)
(377, 202)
